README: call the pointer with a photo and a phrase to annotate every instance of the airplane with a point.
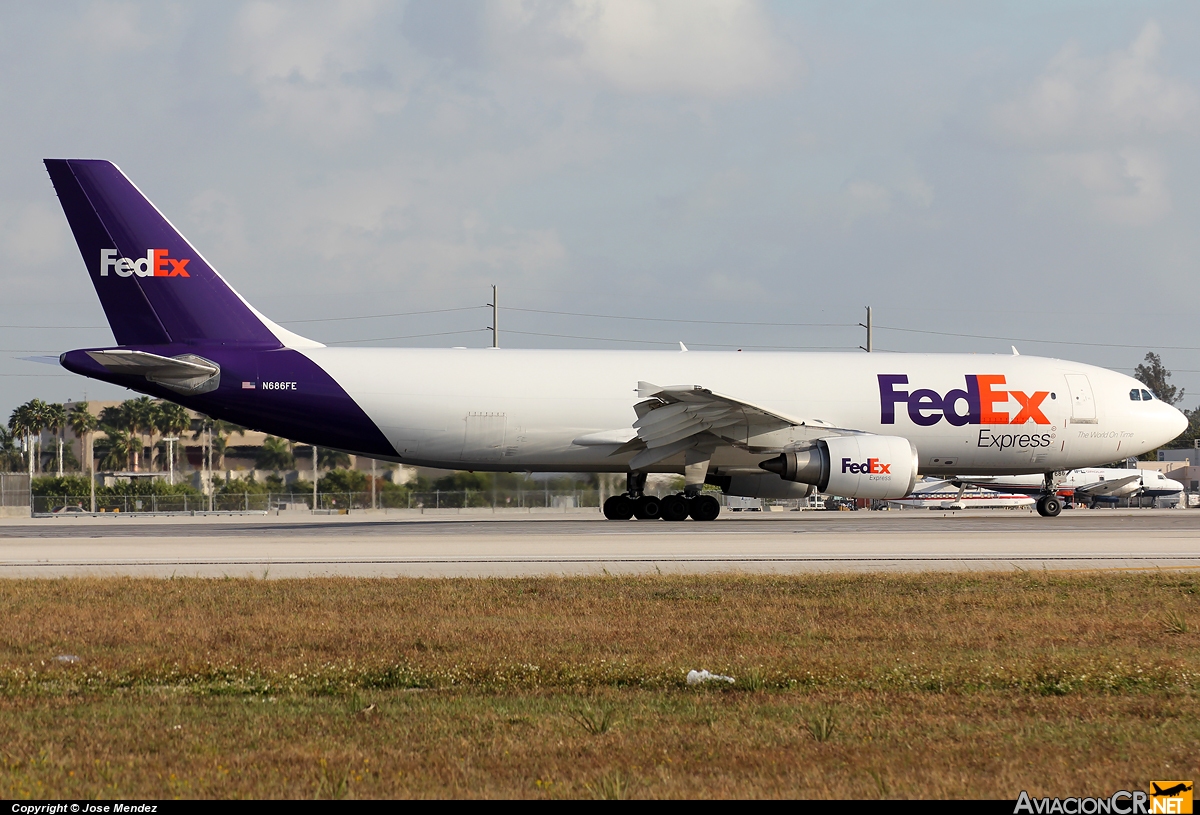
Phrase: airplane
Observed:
(1172, 791)
(1090, 485)
(771, 425)
(941, 493)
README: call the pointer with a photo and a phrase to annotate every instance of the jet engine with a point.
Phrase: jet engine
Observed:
(759, 485)
(852, 466)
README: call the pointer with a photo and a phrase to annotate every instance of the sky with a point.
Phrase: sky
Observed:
(629, 173)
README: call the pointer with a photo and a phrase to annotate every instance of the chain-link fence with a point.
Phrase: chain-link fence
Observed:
(14, 489)
(331, 502)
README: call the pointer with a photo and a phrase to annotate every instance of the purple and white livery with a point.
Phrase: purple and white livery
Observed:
(766, 425)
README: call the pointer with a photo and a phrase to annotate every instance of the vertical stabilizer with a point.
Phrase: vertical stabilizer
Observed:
(154, 286)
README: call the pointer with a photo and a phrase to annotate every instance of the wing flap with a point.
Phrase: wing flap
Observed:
(673, 419)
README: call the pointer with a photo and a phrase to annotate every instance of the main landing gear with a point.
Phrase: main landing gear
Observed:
(1048, 505)
(634, 503)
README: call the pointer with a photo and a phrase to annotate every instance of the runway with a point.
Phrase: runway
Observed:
(582, 543)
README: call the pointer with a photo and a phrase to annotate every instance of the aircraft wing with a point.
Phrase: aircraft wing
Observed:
(990, 483)
(187, 373)
(677, 418)
(1106, 487)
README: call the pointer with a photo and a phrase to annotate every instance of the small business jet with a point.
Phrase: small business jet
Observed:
(940, 493)
(771, 425)
(1090, 485)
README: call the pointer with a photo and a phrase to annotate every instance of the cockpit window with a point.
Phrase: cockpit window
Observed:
(1147, 395)
(1135, 395)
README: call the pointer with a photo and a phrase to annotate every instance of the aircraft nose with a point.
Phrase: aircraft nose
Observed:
(1174, 423)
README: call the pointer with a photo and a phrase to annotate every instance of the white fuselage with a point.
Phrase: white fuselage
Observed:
(1150, 483)
(943, 495)
(512, 410)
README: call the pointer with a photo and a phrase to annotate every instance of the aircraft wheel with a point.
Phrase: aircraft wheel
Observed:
(1048, 506)
(618, 508)
(675, 508)
(705, 508)
(646, 508)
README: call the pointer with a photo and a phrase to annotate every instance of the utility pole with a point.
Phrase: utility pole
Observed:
(170, 440)
(495, 326)
(372, 483)
(314, 478)
(208, 487)
(870, 333)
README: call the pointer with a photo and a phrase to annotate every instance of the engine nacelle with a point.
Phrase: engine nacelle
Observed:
(852, 466)
(762, 485)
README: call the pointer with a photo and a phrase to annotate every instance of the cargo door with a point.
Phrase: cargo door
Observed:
(484, 437)
(1083, 405)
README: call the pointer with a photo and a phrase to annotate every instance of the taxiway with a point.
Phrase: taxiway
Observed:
(582, 543)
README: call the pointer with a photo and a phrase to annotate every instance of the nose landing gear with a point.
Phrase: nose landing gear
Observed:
(1048, 505)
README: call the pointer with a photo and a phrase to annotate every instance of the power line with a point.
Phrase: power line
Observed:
(674, 320)
(1042, 342)
(379, 316)
(697, 344)
(409, 336)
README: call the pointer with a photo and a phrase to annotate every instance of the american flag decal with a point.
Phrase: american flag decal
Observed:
(247, 386)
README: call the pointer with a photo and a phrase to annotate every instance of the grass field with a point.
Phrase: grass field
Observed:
(846, 686)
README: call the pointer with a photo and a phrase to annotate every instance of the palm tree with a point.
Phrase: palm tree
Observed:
(117, 448)
(83, 424)
(18, 426)
(275, 454)
(221, 430)
(114, 422)
(139, 417)
(29, 420)
(10, 453)
(56, 423)
(172, 420)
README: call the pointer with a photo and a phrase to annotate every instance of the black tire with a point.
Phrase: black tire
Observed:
(705, 508)
(1051, 506)
(674, 508)
(646, 508)
(618, 508)
(1041, 506)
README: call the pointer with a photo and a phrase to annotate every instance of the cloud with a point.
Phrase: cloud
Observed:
(1113, 98)
(1096, 128)
(313, 67)
(704, 48)
(861, 198)
(112, 28)
(1125, 187)
(37, 234)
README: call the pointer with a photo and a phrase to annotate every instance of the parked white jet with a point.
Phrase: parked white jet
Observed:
(1090, 485)
(767, 425)
(937, 493)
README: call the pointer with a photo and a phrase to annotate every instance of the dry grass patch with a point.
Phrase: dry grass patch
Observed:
(871, 685)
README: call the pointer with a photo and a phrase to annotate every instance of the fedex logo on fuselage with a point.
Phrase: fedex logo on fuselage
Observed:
(980, 399)
(154, 264)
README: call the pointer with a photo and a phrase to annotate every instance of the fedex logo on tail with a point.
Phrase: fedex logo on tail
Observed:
(976, 404)
(154, 264)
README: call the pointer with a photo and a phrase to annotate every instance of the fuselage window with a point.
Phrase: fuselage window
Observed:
(1135, 395)
(1147, 395)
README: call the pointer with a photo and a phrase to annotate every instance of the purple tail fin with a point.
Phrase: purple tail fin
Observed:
(155, 288)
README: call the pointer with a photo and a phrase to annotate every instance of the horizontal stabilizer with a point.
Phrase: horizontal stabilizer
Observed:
(187, 373)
